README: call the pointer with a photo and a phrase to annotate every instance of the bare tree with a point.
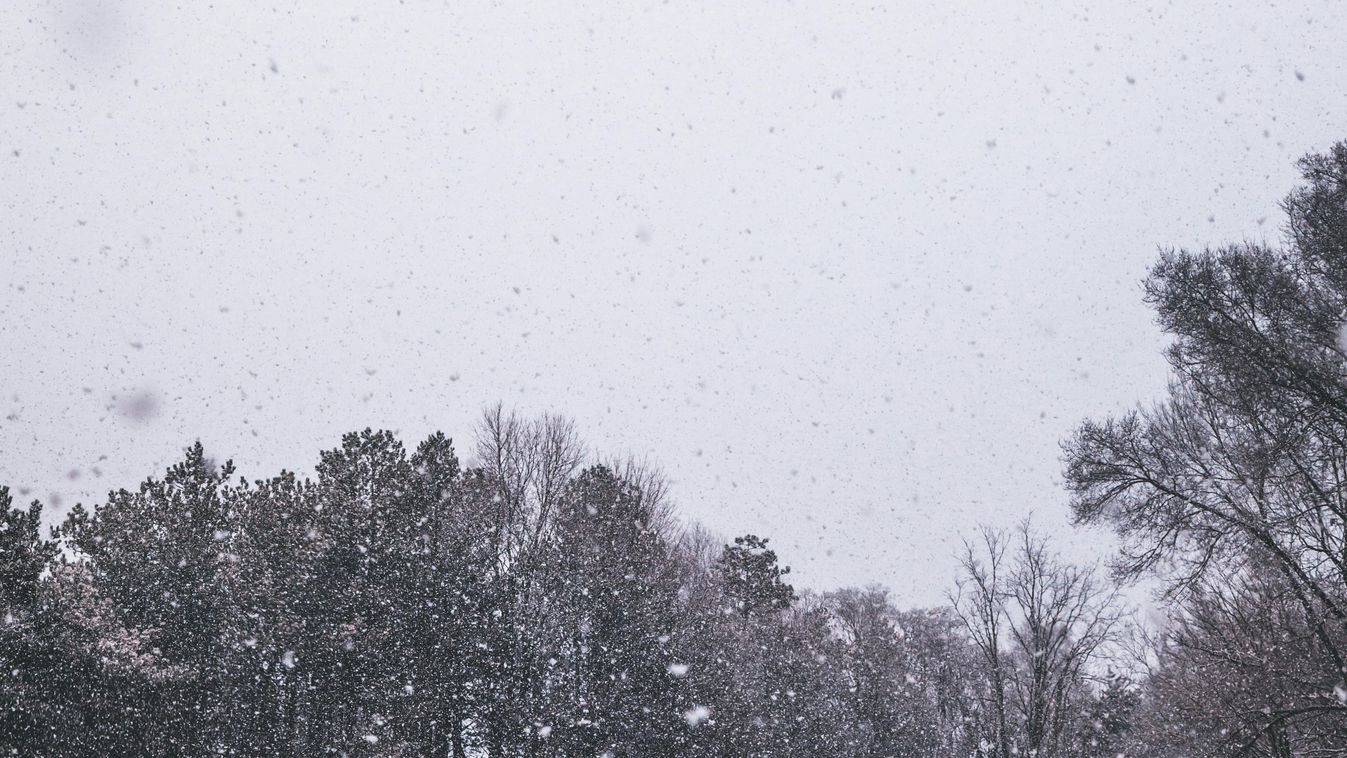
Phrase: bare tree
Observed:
(652, 488)
(979, 602)
(1041, 626)
(1242, 469)
(530, 462)
(1240, 670)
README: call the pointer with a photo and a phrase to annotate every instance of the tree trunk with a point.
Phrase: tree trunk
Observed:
(456, 737)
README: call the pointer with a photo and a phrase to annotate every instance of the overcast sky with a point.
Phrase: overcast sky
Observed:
(848, 271)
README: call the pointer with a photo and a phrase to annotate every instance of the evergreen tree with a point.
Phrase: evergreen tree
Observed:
(753, 580)
(27, 652)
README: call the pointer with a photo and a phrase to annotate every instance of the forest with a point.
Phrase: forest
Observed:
(540, 602)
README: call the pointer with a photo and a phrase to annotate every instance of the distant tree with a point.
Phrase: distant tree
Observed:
(24, 554)
(752, 578)
(908, 675)
(797, 704)
(441, 600)
(1109, 718)
(400, 605)
(106, 686)
(1249, 636)
(26, 651)
(1040, 625)
(160, 555)
(979, 603)
(526, 466)
(611, 596)
(280, 546)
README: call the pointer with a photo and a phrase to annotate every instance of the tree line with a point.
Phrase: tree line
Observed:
(543, 603)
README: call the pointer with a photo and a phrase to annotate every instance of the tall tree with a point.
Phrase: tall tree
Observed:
(1041, 625)
(26, 652)
(753, 580)
(613, 597)
(159, 555)
(1242, 468)
(399, 604)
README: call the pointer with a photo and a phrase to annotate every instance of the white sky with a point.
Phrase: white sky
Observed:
(849, 271)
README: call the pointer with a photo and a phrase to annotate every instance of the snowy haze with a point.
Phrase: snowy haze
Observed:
(849, 272)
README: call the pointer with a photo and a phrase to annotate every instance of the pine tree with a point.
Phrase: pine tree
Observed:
(25, 651)
(753, 580)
